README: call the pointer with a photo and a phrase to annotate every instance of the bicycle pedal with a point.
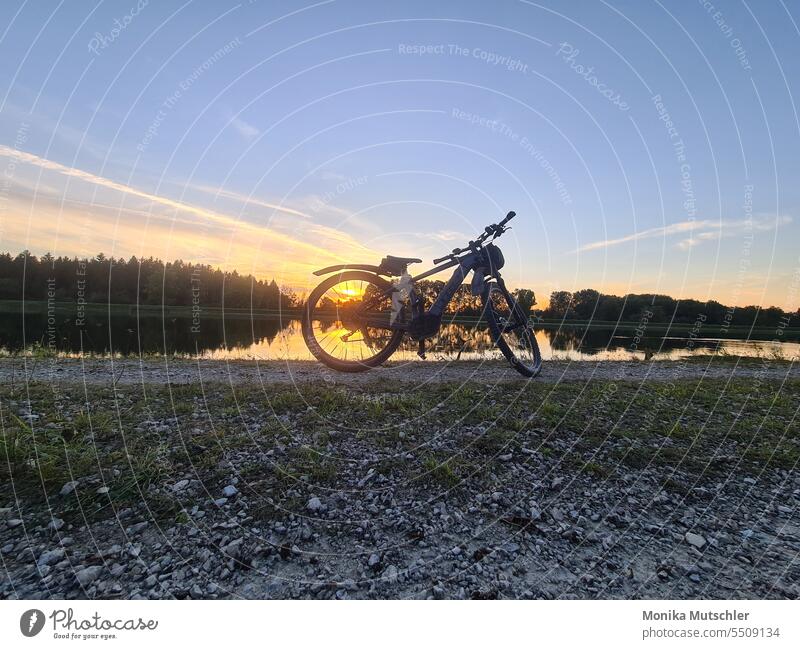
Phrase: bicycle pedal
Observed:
(421, 350)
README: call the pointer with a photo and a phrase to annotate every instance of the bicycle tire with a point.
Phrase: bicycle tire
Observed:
(499, 331)
(316, 349)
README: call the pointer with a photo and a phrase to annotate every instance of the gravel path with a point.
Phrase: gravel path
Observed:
(656, 485)
(159, 371)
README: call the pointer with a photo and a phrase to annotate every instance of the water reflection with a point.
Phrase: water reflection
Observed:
(273, 337)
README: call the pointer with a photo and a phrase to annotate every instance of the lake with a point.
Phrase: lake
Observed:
(125, 332)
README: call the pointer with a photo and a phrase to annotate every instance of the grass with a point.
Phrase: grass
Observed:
(284, 439)
(311, 465)
(40, 461)
(494, 440)
(46, 455)
(441, 469)
(596, 469)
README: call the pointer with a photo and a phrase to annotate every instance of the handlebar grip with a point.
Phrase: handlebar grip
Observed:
(509, 216)
(441, 259)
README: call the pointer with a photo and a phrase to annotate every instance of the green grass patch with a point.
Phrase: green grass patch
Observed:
(687, 431)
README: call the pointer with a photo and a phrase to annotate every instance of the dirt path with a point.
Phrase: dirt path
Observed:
(666, 489)
(162, 371)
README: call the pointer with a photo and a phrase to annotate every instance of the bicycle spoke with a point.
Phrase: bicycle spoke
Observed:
(514, 331)
(357, 327)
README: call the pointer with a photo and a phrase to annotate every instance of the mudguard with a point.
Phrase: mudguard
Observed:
(333, 269)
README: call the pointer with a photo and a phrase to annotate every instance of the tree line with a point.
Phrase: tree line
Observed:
(589, 304)
(104, 279)
(144, 281)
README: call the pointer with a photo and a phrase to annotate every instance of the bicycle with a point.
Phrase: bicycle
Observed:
(363, 316)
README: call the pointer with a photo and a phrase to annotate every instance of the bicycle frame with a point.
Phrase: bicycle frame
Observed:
(427, 323)
(473, 261)
(463, 266)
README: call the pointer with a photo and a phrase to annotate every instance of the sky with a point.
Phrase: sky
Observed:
(647, 147)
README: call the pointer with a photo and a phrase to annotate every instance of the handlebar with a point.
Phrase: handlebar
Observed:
(493, 231)
(509, 216)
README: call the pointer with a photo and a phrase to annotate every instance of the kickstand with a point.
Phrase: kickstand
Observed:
(421, 350)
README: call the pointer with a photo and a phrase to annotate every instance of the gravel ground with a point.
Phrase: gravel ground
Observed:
(595, 481)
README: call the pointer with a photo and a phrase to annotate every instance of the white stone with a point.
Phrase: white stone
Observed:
(695, 540)
(50, 557)
(68, 488)
(86, 576)
(55, 524)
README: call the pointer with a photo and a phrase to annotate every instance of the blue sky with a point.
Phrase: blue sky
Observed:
(646, 147)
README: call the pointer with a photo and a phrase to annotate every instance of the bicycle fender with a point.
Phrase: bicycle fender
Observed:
(333, 269)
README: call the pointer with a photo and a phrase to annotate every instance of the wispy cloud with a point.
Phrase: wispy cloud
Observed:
(328, 174)
(734, 228)
(146, 223)
(106, 183)
(694, 232)
(249, 200)
(447, 235)
(245, 129)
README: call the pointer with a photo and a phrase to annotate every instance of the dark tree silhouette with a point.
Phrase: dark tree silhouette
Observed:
(153, 282)
(143, 281)
(589, 304)
(526, 299)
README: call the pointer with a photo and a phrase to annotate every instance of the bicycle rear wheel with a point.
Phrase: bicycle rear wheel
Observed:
(512, 332)
(347, 322)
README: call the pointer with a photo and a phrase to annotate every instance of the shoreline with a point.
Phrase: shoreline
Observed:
(125, 371)
(716, 330)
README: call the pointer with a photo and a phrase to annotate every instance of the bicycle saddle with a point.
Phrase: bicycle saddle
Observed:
(403, 260)
(396, 265)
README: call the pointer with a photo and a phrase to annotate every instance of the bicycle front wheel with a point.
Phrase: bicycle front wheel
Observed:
(347, 322)
(511, 330)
